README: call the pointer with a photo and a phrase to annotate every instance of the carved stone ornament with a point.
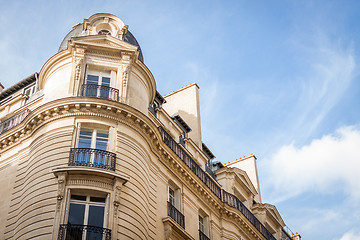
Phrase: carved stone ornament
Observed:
(167, 231)
(78, 64)
(124, 79)
(61, 190)
(117, 197)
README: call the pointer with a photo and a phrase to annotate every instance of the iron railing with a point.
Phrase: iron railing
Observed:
(99, 91)
(234, 202)
(175, 214)
(202, 236)
(13, 121)
(78, 232)
(224, 196)
(210, 172)
(89, 157)
(194, 167)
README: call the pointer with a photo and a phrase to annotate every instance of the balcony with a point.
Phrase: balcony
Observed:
(13, 121)
(234, 202)
(195, 168)
(89, 157)
(99, 91)
(202, 236)
(176, 215)
(224, 196)
(78, 232)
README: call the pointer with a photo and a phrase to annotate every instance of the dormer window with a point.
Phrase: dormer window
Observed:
(183, 126)
(30, 90)
(104, 32)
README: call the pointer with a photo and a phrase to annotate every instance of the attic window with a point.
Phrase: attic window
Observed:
(104, 32)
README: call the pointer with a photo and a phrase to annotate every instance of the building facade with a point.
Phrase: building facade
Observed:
(90, 150)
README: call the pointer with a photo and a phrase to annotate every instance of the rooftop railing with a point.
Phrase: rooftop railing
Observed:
(234, 202)
(176, 215)
(89, 157)
(13, 121)
(76, 231)
(228, 198)
(99, 91)
(195, 168)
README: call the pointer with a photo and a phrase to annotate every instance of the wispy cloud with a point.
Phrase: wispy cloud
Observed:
(326, 165)
(351, 235)
(329, 69)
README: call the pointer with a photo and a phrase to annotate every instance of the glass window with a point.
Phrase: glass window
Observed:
(201, 224)
(83, 212)
(93, 138)
(172, 196)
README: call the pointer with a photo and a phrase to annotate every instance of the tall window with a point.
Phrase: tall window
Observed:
(171, 196)
(93, 138)
(92, 148)
(98, 84)
(201, 224)
(86, 217)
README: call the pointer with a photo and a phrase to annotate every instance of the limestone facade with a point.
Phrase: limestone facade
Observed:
(89, 148)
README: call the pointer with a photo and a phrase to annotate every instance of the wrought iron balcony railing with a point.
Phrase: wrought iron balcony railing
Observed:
(224, 196)
(99, 91)
(13, 121)
(176, 215)
(89, 157)
(195, 168)
(202, 236)
(78, 232)
(234, 202)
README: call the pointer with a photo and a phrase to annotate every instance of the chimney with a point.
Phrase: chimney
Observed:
(296, 236)
(1, 87)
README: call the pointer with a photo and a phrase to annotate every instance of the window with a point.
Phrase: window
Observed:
(171, 196)
(104, 32)
(30, 90)
(97, 84)
(92, 149)
(93, 138)
(201, 224)
(86, 217)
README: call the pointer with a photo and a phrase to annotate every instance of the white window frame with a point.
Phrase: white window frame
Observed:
(176, 196)
(205, 222)
(101, 73)
(87, 204)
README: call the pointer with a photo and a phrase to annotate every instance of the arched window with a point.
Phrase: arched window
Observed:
(104, 32)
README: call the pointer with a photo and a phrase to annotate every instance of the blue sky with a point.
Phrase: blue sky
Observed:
(279, 80)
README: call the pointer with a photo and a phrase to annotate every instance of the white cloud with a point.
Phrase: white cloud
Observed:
(326, 165)
(351, 235)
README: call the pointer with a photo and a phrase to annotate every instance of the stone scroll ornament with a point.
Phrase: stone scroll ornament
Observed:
(125, 79)
(61, 190)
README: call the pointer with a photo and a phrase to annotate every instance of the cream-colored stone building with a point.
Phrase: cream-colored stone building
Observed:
(90, 150)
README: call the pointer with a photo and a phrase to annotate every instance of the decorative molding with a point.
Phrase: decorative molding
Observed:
(90, 181)
(61, 190)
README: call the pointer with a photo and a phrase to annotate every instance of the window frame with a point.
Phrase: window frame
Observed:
(88, 193)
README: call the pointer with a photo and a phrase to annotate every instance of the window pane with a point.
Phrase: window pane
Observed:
(76, 213)
(85, 138)
(97, 199)
(105, 81)
(77, 197)
(172, 197)
(96, 216)
(101, 140)
(91, 79)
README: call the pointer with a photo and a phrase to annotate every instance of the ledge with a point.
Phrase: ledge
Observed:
(92, 171)
(174, 230)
